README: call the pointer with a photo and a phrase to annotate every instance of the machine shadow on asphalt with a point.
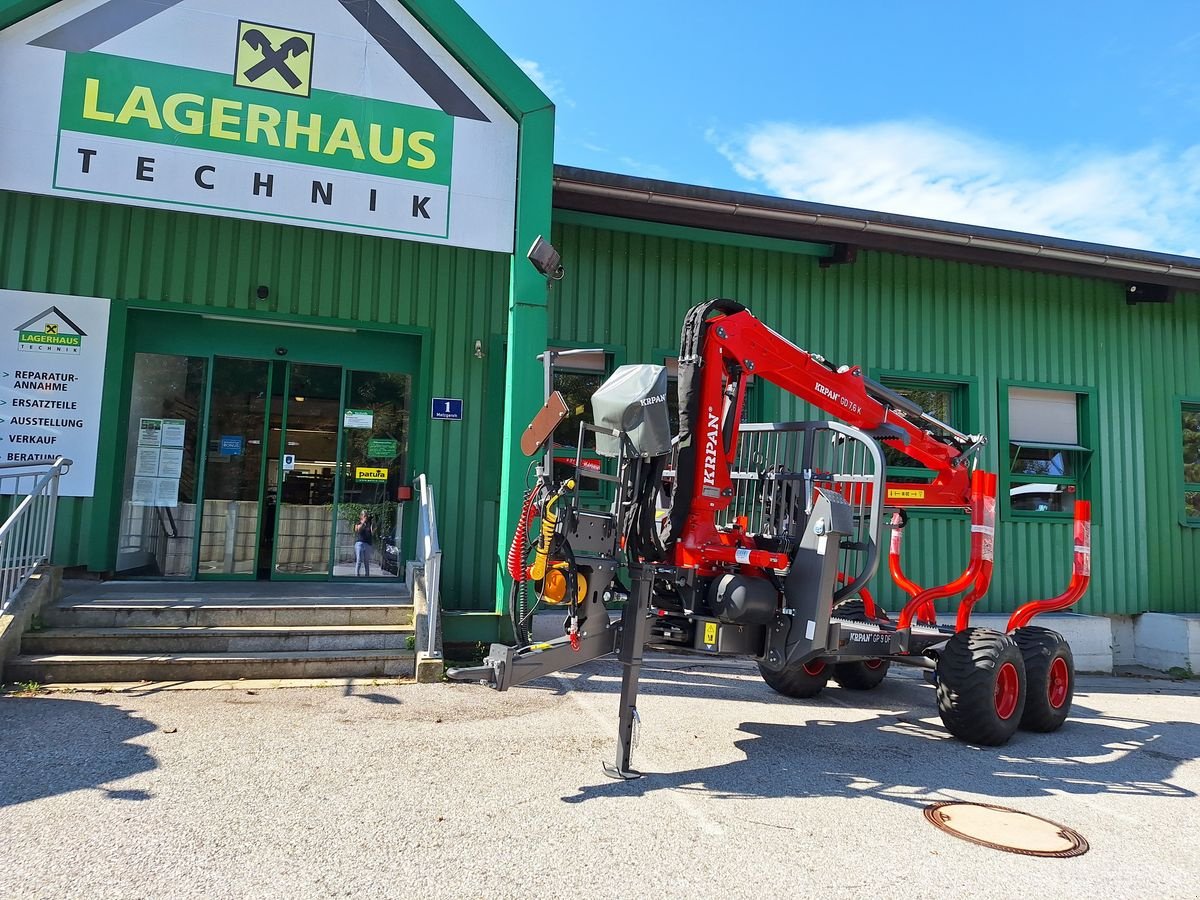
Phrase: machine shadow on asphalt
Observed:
(886, 754)
(55, 747)
(1106, 762)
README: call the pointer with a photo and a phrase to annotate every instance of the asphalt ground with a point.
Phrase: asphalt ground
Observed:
(457, 791)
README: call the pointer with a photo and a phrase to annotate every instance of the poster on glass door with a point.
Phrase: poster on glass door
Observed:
(159, 462)
(52, 352)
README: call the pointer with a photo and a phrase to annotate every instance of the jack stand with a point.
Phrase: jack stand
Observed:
(634, 624)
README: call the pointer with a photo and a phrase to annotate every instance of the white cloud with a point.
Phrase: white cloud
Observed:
(551, 87)
(1148, 200)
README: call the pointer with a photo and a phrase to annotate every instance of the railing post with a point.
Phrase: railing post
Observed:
(27, 535)
(431, 563)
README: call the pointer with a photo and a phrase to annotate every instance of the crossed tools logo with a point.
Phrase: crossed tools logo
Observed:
(50, 331)
(273, 59)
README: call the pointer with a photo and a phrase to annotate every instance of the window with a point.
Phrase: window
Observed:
(577, 377)
(946, 401)
(1190, 420)
(1048, 450)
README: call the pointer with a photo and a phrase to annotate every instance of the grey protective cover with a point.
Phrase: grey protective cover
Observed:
(634, 400)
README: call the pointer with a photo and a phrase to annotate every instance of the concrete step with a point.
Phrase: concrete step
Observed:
(66, 669)
(164, 613)
(173, 639)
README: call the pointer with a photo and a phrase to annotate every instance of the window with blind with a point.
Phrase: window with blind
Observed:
(1049, 449)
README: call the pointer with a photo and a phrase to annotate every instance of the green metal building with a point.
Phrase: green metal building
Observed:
(270, 371)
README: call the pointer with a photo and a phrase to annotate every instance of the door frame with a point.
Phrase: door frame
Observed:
(153, 329)
(276, 575)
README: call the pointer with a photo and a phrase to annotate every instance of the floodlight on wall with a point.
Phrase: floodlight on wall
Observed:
(1138, 292)
(546, 259)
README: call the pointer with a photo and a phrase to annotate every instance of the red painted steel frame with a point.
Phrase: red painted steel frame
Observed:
(1081, 573)
(739, 342)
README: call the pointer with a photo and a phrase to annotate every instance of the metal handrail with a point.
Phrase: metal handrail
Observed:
(27, 536)
(431, 560)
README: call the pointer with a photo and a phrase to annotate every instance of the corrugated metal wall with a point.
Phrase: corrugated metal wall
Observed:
(891, 312)
(630, 291)
(213, 264)
(1167, 342)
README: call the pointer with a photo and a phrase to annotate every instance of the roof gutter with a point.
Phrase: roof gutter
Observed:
(855, 225)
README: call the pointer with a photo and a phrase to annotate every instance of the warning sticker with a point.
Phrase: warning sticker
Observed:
(905, 494)
(710, 634)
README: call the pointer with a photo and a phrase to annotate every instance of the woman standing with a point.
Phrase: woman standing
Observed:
(364, 538)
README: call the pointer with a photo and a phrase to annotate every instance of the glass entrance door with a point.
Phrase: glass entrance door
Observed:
(304, 442)
(374, 460)
(234, 467)
(303, 472)
(253, 452)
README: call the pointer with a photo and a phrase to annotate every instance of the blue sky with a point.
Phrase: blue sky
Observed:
(1074, 119)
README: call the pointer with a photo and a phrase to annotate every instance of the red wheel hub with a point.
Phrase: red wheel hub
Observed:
(1008, 689)
(1059, 682)
(814, 668)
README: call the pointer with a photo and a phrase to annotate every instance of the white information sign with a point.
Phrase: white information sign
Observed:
(173, 432)
(143, 491)
(358, 418)
(166, 492)
(170, 463)
(345, 116)
(150, 432)
(52, 353)
(147, 461)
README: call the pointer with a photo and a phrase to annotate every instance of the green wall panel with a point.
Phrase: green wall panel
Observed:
(891, 312)
(629, 291)
(448, 297)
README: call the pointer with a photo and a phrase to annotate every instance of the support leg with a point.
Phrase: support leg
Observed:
(634, 625)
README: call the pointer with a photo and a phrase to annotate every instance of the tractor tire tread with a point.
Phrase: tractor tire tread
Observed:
(794, 682)
(966, 685)
(1039, 647)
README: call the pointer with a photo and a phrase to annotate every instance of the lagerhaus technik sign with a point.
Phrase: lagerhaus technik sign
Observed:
(52, 353)
(337, 114)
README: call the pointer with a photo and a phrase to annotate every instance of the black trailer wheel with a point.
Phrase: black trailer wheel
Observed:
(981, 686)
(1049, 676)
(864, 675)
(801, 682)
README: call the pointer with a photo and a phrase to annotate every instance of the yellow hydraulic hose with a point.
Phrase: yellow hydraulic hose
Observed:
(537, 571)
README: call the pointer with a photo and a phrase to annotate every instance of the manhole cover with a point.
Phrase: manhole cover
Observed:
(1006, 829)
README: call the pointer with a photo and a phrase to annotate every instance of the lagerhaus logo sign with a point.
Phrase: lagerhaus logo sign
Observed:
(335, 114)
(50, 331)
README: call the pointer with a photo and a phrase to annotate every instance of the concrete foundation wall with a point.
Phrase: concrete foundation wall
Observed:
(42, 588)
(1167, 642)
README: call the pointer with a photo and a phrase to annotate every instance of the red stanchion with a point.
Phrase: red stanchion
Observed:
(1081, 573)
(977, 575)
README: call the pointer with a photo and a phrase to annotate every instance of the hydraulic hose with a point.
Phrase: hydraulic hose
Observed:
(518, 599)
(549, 519)
(516, 552)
